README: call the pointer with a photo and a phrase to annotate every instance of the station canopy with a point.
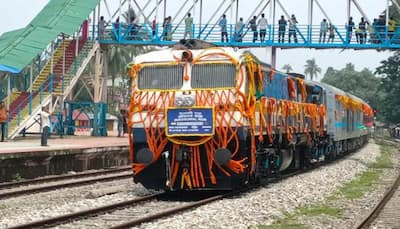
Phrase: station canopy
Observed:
(19, 47)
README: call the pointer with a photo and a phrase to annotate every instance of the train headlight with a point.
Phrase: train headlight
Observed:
(222, 156)
(184, 101)
(144, 156)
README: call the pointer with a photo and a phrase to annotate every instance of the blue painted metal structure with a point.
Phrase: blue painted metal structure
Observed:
(377, 37)
(98, 123)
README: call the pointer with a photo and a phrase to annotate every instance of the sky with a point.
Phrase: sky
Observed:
(18, 13)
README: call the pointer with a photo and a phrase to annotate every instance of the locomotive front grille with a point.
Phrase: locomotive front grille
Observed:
(165, 77)
(213, 76)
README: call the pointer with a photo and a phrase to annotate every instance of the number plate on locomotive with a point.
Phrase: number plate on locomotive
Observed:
(196, 121)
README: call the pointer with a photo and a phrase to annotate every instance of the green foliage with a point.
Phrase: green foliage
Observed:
(17, 177)
(390, 103)
(358, 187)
(363, 84)
(316, 210)
(366, 181)
(311, 68)
(292, 220)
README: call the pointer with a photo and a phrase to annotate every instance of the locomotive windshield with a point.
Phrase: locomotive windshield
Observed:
(161, 77)
(213, 76)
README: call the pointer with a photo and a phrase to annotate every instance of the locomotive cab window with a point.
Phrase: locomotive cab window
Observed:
(314, 94)
(160, 77)
(213, 76)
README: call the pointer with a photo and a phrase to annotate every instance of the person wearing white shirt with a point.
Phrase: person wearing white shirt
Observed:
(45, 121)
(292, 28)
(239, 27)
(263, 24)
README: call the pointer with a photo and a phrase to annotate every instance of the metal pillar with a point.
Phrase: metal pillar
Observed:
(387, 12)
(165, 9)
(97, 72)
(348, 9)
(93, 24)
(310, 20)
(232, 1)
(237, 11)
(31, 78)
(156, 14)
(310, 12)
(8, 91)
(120, 10)
(52, 74)
(273, 13)
(98, 12)
(200, 14)
(194, 8)
(30, 88)
(273, 57)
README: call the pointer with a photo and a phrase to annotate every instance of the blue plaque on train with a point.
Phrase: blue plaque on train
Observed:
(190, 121)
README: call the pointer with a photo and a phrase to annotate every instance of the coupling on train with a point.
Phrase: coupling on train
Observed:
(219, 118)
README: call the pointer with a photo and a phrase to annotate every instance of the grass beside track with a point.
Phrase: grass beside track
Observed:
(355, 189)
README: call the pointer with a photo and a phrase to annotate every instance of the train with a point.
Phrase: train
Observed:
(216, 118)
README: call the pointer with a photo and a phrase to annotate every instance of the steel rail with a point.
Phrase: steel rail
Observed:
(374, 213)
(63, 185)
(8, 185)
(86, 213)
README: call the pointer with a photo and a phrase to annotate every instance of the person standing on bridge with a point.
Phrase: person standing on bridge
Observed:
(102, 28)
(323, 30)
(253, 27)
(167, 33)
(292, 28)
(331, 33)
(239, 30)
(350, 26)
(362, 28)
(392, 27)
(224, 30)
(153, 27)
(263, 24)
(282, 29)
(188, 26)
(3, 120)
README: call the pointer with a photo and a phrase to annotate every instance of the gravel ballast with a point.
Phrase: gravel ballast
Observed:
(267, 204)
(261, 206)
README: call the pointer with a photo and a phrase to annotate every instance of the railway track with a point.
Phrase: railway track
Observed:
(112, 215)
(155, 207)
(14, 189)
(392, 195)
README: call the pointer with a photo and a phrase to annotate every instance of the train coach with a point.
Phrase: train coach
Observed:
(218, 118)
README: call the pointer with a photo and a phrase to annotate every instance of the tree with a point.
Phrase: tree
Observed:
(311, 68)
(287, 67)
(390, 88)
(118, 59)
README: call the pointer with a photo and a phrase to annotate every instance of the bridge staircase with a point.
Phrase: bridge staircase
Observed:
(46, 87)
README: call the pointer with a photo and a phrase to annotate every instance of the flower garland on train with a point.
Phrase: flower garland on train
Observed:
(226, 121)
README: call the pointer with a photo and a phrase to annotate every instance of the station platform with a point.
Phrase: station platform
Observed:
(24, 158)
(55, 143)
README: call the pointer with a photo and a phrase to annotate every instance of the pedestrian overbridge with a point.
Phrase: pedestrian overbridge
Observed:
(304, 36)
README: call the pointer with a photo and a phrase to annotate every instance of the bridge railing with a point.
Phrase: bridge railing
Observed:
(339, 36)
